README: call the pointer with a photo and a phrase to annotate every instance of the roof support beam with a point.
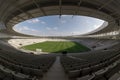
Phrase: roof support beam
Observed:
(20, 18)
(12, 22)
(16, 6)
(60, 8)
(77, 10)
(28, 14)
(117, 22)
(113, 14)
(39, 7)
(105, 4)
(4, 12)
(118, 18)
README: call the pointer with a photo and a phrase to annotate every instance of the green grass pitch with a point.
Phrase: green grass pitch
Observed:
(57, 47)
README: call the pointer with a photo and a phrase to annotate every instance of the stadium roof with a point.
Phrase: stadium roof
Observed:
(15, 11)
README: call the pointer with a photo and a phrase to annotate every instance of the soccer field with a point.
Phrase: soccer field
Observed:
(57, 47)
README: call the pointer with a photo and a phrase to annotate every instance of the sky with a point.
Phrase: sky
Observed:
(66, 25)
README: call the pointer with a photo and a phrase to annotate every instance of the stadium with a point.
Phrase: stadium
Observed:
(57, 42)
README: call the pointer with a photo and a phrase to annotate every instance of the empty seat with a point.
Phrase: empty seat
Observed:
(18, 78)
(99, 77)
(74, 73)
(37, 73)
(85, 71)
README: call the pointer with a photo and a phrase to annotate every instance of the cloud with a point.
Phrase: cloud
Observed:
(51, 29)
(42, 22)
(63, 21)
(55, 28)
(36, 21)
(26, 28)
(48, 28)
(29, 31)
(33, 20)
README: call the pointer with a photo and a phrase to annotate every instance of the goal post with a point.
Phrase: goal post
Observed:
(38, 50)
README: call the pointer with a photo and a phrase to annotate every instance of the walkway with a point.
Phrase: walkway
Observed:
(56, 72)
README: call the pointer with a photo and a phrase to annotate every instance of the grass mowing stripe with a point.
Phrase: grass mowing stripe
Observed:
(46, 46)
(61, 46)
(72, 45)
(49, 48)
(54, 47)
(77, 47)
(69, 45)
(65, 45)
(57, 46)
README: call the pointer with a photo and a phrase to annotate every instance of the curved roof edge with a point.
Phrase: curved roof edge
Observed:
(105, 24)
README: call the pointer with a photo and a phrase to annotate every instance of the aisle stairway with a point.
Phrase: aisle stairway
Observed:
(56, 72)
